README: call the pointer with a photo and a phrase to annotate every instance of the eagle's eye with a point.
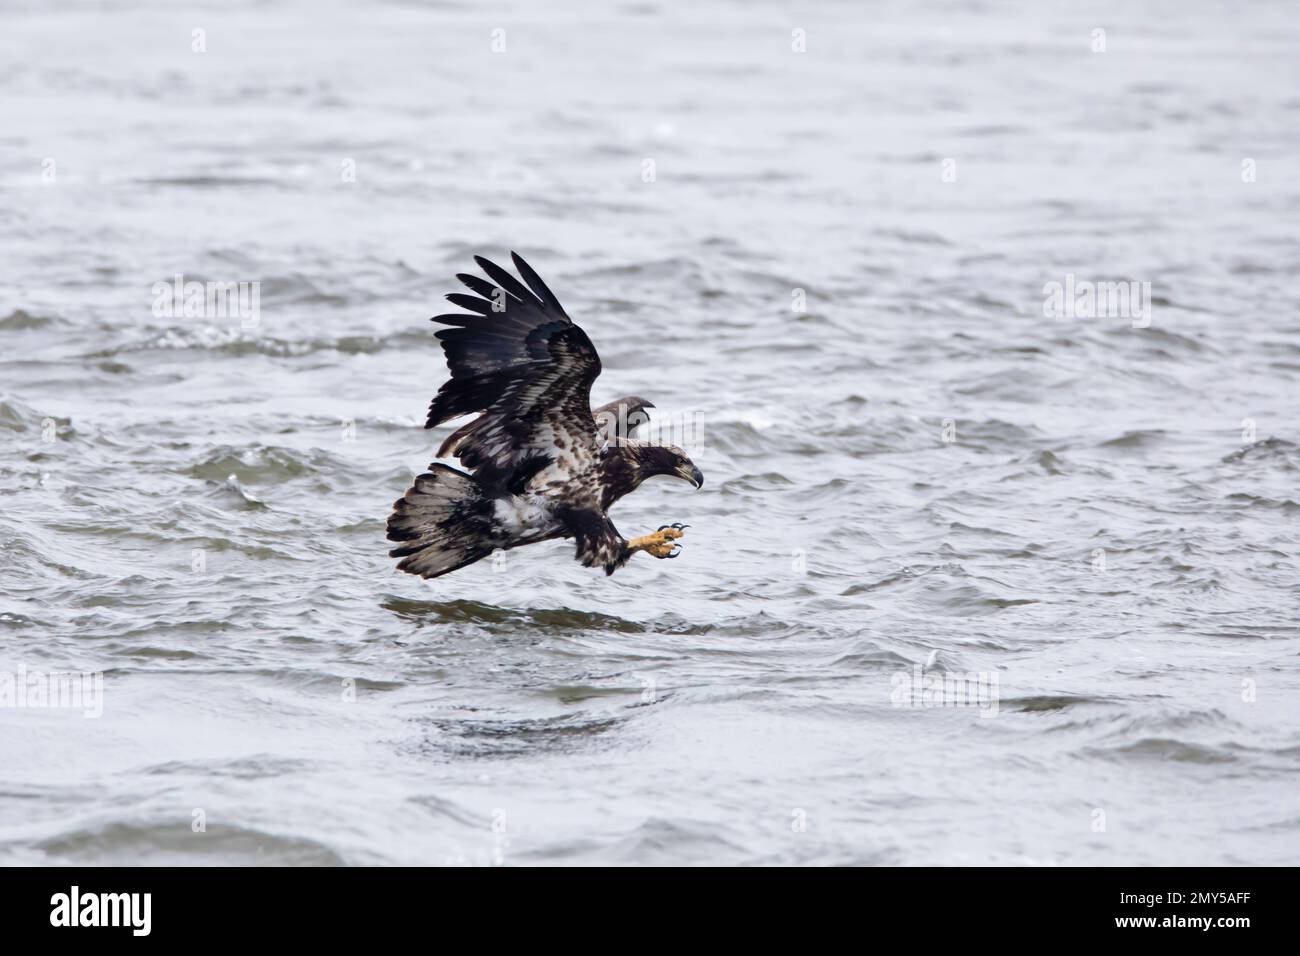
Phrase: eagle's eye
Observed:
(686, 470)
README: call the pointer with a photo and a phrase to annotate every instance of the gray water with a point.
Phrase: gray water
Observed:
(920, 470)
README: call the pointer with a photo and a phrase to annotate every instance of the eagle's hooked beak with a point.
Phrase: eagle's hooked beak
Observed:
(690, 473)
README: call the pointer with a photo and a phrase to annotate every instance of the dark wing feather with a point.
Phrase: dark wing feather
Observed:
(523, 363)
(599, 545)
(535, 282)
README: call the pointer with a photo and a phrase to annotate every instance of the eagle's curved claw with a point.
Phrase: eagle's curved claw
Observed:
(661, 543)
(677, 525)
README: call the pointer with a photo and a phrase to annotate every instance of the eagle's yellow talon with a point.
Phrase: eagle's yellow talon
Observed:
(661, 543)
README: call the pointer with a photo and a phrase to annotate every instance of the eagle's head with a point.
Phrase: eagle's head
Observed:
(668, 460)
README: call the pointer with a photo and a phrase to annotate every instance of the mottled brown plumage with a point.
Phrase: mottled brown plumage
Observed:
(541, 463)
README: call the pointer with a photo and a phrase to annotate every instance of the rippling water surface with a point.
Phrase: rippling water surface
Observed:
(919, 470)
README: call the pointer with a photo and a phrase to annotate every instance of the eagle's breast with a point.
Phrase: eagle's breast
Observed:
(527, 517)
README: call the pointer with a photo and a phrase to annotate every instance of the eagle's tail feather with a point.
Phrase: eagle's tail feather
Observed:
(443, 521)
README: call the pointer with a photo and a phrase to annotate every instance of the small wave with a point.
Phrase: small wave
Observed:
(1048, 703)
(1268, 451)
(233, 341)
(477, 737)
(1161, 749)
(20, 320)
(947, 590)
(264, 464)
(210, 181)
(173, 843)
(1263, 502)
(661, 840)
(1138, 439)
(253, 767)
(19, 417)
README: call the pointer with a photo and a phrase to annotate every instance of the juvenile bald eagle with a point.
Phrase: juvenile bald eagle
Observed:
(539, 466)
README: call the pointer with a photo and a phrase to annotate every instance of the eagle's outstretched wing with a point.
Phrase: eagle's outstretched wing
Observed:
(523, 363)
